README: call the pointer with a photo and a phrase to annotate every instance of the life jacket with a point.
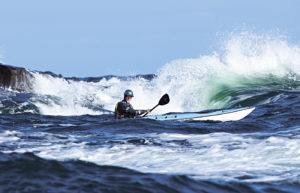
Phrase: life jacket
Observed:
(119, 115)
(126, 110)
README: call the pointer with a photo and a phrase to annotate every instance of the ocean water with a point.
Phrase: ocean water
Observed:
(62, 137)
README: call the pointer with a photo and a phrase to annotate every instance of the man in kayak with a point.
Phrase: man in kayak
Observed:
(124, 109)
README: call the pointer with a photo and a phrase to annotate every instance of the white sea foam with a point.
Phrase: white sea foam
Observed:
(217, 155)
(189, 82)
(9, 136)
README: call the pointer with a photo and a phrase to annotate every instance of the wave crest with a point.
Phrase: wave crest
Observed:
(248, 69)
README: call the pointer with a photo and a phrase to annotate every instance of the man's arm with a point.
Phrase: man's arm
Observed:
(125, 108)
(140, 112)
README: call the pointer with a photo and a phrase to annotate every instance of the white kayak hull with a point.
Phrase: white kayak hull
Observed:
(216, 115)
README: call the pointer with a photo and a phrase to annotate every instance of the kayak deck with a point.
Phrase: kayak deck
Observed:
(214, 115)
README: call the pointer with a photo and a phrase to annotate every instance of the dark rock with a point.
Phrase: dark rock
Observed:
(18, 79)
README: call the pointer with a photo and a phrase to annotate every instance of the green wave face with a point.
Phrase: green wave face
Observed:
(240, 91)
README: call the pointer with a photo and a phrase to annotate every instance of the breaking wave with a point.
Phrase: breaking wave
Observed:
(248, 69)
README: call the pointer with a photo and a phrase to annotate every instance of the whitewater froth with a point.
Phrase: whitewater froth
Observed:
(215, 155)
(191, 83)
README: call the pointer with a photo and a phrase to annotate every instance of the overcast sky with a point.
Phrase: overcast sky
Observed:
(125, 37)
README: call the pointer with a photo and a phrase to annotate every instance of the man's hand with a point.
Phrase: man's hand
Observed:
(148, 110)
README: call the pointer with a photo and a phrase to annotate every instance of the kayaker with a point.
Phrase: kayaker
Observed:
(124, 109)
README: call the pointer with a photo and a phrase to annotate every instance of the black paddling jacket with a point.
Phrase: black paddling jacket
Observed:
(125, 110)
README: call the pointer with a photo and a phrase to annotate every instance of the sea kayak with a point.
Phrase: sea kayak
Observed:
(211, 115)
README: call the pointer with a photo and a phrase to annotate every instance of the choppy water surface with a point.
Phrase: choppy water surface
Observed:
(61, 136)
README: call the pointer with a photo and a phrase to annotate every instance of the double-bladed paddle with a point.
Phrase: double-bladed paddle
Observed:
(163, 101)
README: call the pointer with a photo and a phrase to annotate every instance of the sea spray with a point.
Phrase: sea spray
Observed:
(247, 64)
(248, 69)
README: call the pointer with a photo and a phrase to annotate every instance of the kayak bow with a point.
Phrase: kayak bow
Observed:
(214, 115)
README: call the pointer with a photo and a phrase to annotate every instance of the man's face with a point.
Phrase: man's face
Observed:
(128, 98)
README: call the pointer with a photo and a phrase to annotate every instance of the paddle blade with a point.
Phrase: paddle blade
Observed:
(164, 100)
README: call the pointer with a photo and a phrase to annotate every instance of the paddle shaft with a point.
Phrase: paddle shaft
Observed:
(151, 110)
